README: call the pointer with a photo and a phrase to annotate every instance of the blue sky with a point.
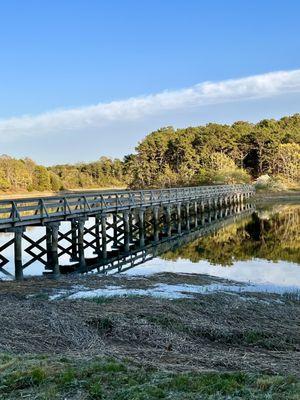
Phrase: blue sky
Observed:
(77, 54)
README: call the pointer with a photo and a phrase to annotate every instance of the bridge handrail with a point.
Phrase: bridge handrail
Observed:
(24, 209)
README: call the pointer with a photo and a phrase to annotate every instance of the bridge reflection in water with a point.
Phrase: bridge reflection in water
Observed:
(121, 240)
(163, 237)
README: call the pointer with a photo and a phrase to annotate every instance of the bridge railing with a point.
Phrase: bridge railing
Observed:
(21, 211)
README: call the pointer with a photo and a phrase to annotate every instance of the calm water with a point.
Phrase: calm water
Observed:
(262, 248)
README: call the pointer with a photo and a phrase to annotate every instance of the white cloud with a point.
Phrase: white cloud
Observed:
(103, 114)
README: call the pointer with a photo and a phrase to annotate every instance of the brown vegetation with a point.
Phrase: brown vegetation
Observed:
(221, 332)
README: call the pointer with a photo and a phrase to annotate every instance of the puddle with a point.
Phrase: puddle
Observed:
(178, 291)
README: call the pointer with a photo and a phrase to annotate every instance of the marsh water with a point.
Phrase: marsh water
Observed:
(260, 248)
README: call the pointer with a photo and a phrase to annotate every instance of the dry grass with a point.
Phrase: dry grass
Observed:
(215, 332)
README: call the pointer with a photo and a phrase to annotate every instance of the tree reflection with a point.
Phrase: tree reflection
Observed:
(270, 234)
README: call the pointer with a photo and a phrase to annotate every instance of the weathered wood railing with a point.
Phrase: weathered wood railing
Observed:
(37, 211)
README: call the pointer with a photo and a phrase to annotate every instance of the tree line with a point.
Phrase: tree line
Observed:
(210, 154)
(218, 153)
(26, 175)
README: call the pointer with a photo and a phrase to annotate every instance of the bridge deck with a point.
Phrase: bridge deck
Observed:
(38, 211)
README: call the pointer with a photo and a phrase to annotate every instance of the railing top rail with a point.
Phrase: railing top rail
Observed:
(26, 211)
(104, 193)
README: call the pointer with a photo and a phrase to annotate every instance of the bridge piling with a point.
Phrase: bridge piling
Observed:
(141, 221)
(178, 218)
(195, 214)
(97, 235)
(126, 231)
(18, 254)
(53, 262)
(103, 236)
(82, 262)
(155, 211)
(49, 246)
(168, 220)
(187, 215)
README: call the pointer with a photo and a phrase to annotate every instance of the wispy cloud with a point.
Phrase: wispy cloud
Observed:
(103, 114)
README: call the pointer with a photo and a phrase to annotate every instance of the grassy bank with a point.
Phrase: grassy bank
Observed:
(285, 195)
(47, 378)
(25, 194)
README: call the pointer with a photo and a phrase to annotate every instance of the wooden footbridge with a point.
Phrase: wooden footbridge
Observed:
(121, 220)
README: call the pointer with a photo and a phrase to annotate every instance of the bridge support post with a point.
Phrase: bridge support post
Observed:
(126, 231)
(74, 254)
(103, 236)
(18, 254)
(131, 226)
(53, 257)
(187, 209)
(179, 218)
(82, 262)
(155, 223)
(115, 228)
(168, 220)
(97, 234)
(141, 215)
(202, 220)
(196, 213)
(216, 213)
(202, 205)
(49, 246)
(209, 216)
(221, 201)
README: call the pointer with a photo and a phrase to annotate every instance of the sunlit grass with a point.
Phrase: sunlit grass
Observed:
(44, 378)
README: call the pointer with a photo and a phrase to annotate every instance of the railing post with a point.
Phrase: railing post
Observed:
(65, 206)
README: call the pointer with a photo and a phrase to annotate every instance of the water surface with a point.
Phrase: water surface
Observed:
(261, 248)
